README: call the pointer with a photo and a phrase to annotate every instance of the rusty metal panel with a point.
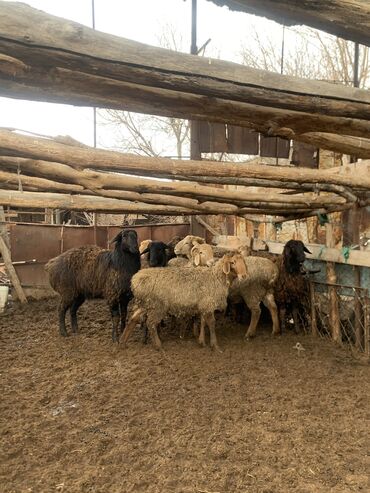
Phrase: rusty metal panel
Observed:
(33, 275)
(167, 232)
(305, 155)
(34, 241)
(76, 236)
(274, 147)
(212, 137)
(241, 140)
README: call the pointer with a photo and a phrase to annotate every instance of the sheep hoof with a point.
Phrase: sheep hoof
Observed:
(249, 336)
(275, 334)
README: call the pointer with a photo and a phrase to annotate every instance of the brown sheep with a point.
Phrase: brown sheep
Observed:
(93, 272)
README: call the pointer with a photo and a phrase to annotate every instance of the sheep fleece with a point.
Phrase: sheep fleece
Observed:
(181, 291)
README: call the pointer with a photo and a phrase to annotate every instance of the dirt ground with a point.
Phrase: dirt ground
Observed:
(79, 415)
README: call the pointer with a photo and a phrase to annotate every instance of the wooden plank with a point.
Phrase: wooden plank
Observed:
(348, 19)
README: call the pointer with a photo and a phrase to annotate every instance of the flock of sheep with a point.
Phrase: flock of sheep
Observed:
(185, 279)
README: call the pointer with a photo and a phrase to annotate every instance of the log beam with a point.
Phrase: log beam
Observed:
(343, 18)
(67, 87)
(30, 147)
(101, 183)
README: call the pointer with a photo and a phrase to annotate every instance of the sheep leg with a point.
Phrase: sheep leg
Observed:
(210, 319)
(295, 319)
(269, 302)
(123, 302)
(282, 314)
(114, 310)
(131, 324)
(77, 302)
(196, 327)
(202, 335)
(256, 313)
(152, 326)
(62, 310)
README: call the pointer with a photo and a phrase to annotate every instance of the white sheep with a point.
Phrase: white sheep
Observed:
(257, 287)
(184, 292)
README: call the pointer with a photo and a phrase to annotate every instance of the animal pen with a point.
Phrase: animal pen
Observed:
(285, 414)
(68, 63)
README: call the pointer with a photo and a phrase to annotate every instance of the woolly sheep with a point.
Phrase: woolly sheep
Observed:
(185, 291)
(93, 272)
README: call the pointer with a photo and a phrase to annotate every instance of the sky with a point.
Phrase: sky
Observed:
(139, 20)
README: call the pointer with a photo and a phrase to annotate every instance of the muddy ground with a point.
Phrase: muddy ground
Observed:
(78, 415)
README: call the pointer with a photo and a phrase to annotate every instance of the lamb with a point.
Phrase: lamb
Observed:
(291, 287)
(257, 287)
(93, 272)
(185, 291)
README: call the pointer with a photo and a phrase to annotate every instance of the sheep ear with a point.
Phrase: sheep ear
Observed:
(195, 255)
(306, 250)
(117, 238)
(226, 266)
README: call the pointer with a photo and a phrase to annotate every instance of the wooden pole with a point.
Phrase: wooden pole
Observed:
(333, 299)
(367, 325)
(314, 330)
(11, 271)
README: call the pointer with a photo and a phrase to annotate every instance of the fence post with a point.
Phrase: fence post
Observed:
(314, 330)
(367, 325)
(333, 299)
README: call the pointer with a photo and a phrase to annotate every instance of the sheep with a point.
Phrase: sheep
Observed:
(155, 254)
(291, 287)
(200, 255)
(93, 272)
(183, 247)
(185, 291)
(257, 287)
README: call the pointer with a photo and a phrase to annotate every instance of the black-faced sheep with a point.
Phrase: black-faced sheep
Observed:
(184, 292)
(154, 255)
(93, 272)
(291, 287)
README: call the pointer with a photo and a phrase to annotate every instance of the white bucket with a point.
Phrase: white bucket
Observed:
(4, 290)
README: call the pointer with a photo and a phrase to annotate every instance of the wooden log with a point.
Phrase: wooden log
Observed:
(43, 41)
(97, 181)
(40, 200)
(43, 149)
(35, 183)
(314, 330)
(5, 253)
(56, 42)
(346, 144)
(346, 19)
(331, 278)
(80, 89)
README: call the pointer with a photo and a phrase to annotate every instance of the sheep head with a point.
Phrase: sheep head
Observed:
(126, 241)
(184, 246)
(233, 265)
(202, 255)
(294, 256)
